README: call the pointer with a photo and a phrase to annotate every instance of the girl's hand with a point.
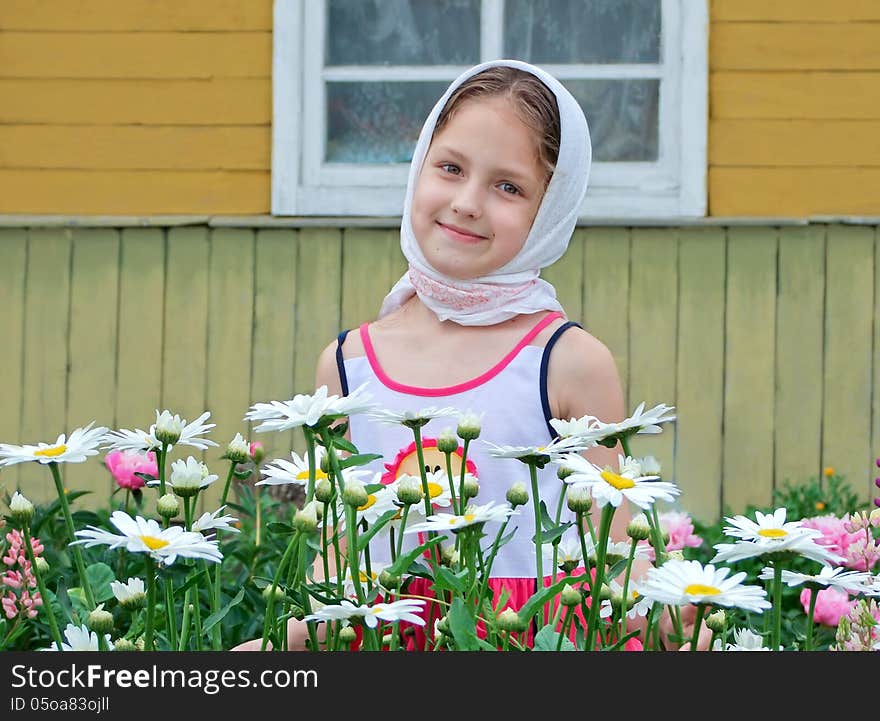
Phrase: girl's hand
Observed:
(688, 616)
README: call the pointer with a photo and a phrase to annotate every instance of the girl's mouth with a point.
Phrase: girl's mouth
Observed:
(459, 234)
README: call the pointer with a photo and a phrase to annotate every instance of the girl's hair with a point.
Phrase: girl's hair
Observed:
(533, 102)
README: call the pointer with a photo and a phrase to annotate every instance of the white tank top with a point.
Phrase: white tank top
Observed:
(512, 395)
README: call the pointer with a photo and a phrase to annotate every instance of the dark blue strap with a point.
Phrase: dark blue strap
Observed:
(340, 363)
(545, 363)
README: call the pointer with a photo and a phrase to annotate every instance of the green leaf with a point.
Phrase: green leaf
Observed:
(221, 614)
(243, 474)
(404, 560)
(280, 528)
(463, 626)
(539, 599)
(446, 580)
(546, 522)
(619, 644)
(364, 538)
(551, 534)
(146, 477)
(358, 459)
(344, 445)
(546, 640)
(99, 576)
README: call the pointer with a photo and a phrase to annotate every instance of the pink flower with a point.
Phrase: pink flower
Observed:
(680, 529)
(9, 606)
(834, 537)
(124, 464)
(633, 644)
(831, 605)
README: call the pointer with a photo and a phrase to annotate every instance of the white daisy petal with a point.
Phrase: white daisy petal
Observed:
(679, 583)
(82, 443)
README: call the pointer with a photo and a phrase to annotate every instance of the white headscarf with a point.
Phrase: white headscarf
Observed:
(516, 287)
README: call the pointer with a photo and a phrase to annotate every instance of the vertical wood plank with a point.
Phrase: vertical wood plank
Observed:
(46, 325)
(750, 325)
(700, 371)
(606, 293)
(875, 389)
(848, 325)
(653, 327)
(141, 319)
(13, 265)
(230, 329)
(91, 393)
(567, 276)
(274, 320)
(369, 269)
(799, 341)
(184, 346)
(318, 297)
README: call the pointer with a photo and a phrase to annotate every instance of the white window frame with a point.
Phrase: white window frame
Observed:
(673, 187)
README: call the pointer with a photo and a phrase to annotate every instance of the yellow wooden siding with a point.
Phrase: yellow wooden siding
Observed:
(763, 338)
(794, 10)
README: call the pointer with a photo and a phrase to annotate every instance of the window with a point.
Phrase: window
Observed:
(354, 80)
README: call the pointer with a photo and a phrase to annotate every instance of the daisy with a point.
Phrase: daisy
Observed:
(79, 638)
(188, 477)
(771, 534)
(640, 604)
(538, 454)
(82, 443)
(678, 583)
(166, 426)
(583, 426)
(568, 553)
(640, 421)
(130, 593)
(314, 410)
(209, 521)
(745, 640)
(412, 419)
(606, 486)
(141, 535)
(839, 578)
(402, 610)
(371, 579)
(472, 516)
(378, 504)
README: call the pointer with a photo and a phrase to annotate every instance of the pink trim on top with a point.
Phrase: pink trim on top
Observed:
(460, 387)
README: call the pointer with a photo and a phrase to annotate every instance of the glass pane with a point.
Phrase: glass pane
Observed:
(377, 122)
(403, 32)
(582, 31)
(623, 117)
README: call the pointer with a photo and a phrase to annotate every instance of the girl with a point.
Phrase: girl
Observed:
(495, 187)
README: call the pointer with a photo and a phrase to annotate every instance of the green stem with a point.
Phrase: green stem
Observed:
(228, 482)
(170, 614)
(455, 507)
(777, 606)
(698, 621)
(270, 602)
(47, 607)
(151, 601)
(310, 450)
(184, 626)
(464, 450)
(601, 551)
(814, 594)
(565, 623)
(539, 544)
(71, 533)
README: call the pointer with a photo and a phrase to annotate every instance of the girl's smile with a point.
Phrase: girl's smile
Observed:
(478, 191)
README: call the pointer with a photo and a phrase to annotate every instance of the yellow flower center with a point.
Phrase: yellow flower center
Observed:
(435, 489)
(304, 475)
(371, 499)
(617, 481)
(153, 543)
(772, 533)
(51, 451)
(467, 517)
(698, 589)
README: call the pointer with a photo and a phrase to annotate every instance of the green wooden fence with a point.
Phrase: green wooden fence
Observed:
(762, 337)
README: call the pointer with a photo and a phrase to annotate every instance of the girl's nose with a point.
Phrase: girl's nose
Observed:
(467, 201)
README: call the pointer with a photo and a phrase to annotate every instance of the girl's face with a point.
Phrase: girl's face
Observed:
(478, 191)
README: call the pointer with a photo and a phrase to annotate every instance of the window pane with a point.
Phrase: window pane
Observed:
(403, 32)
(582, 31)
(377, 122)
(623, 117)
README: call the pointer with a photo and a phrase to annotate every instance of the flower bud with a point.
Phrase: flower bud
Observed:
(257, 452)
(650, 466)
(443, 624)
(409, 490)
(517, 495)
(123, 644)
(101, 621)
(469, 426)
(578, 498)
(570, 596)
(168, 428)
(42, 565)
(323, 491)
(297, 612)
(471, 486)
(605, 593)
(267, 592)
(716, 621)
(387, 638)
(325, 464)
(168, 506)
(639, 529)
(306, 518)
(447, 442)
(676, 555)
(238, 450)
(448, 556)
(22, 510)
(509, 620)
(389, 580)
(563, 472)
(347, 634)
(355, 493)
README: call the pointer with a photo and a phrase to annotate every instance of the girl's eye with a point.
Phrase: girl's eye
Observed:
(450, 168)
(509, 188)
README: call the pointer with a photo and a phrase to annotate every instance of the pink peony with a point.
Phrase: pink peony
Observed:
(125, 463)
(831, 605)
(681, 531)
(834, 537)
